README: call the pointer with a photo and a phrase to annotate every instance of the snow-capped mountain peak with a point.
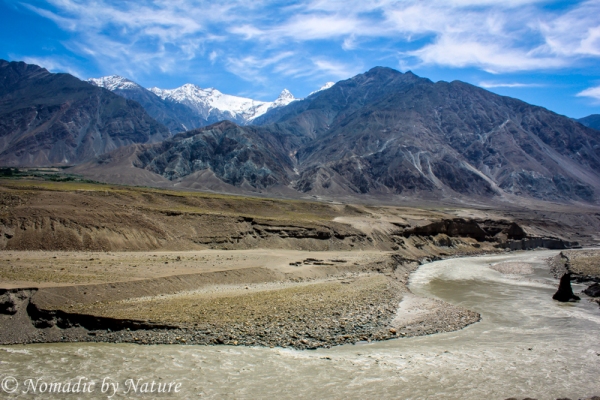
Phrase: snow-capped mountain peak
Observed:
(285, 98)
(324, 87)
(210, 101)
(114, 82)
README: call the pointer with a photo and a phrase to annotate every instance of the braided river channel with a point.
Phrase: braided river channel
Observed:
(526, 345)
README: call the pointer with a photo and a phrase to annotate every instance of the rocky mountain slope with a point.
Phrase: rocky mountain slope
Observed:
(591, 121)
(175, 116)
(386, 133)
(56, 119)
(240, 156)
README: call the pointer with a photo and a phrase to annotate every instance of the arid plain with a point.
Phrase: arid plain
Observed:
(94, 262)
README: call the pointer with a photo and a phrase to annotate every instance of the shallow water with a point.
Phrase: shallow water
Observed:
(525, 345)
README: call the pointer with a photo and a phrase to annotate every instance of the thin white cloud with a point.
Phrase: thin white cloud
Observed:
(460, 52)
(593, 92)
(349, 43)
(337, 69)
(291, 65)
(313, 27)
(490, 85)
(251, 68)
(575, 33)
(139, 36)
(495, 36)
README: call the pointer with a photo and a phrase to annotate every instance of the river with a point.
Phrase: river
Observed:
(525, 345)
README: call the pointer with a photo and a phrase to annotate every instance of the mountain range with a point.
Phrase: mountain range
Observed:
(383, 134)
(189, 106)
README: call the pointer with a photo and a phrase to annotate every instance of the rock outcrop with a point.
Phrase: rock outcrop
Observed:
(565, 292)
(240, 156)
(593, 290)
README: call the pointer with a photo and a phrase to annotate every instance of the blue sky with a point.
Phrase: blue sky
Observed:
(544, 52)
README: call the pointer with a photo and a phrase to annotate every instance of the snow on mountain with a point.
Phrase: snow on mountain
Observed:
(208, 102)
(114, 82)
(285, 98)
(324, 87)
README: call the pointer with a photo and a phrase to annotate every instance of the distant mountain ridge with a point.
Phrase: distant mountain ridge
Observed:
(57, 119)
(387, 133)
(189, 106)
(176, 117)
(382, 133)
(591, 121)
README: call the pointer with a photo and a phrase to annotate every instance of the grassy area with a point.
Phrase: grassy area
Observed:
(51, 174)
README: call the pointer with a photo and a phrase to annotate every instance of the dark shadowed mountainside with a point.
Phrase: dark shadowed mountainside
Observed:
(386, 133)
(57, 119)
(591, 121)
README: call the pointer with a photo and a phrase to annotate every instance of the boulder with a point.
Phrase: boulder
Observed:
(593, 290)
(565, 292)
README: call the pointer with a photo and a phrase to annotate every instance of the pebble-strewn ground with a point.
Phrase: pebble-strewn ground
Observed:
(584, 262)
(301, 316)
(517, 268)
(308, 314)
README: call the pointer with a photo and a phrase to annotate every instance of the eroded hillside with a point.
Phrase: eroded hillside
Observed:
(85, 216)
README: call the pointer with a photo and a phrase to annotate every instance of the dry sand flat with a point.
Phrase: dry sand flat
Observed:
(58, 268)
(417, 315)
(310, 314)
(320, 313)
